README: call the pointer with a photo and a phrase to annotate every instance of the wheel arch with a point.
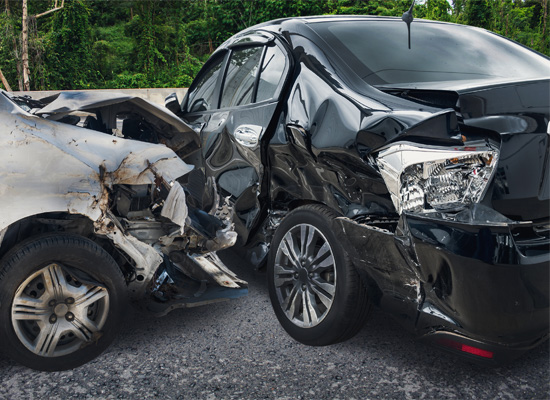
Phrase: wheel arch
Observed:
(294, 204)
(374, 291)
(60, 222)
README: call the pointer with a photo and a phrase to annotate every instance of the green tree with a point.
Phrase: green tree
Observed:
(9, 52)
(68, 49)
(477, 13)
(151, 43)
(438, 10)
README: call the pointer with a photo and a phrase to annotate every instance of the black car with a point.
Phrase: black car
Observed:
(367, 167)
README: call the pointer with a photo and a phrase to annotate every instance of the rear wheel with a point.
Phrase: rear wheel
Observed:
(61, 301)
(315, 291)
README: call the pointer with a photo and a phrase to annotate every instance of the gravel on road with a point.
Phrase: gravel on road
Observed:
(238, 350)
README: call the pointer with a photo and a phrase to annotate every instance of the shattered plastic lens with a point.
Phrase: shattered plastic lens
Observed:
(422, 179)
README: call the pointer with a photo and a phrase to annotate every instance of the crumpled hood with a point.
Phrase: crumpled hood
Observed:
(109, 104)
(50, 166)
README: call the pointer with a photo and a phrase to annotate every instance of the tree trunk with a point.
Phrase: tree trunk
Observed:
(4, 81)
(544, 16)
(25, 48)
(18, 65)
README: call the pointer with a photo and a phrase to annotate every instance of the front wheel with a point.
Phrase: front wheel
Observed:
(315, 291)
(61, 301)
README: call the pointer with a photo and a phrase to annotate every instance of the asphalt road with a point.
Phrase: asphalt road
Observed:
(237, 350)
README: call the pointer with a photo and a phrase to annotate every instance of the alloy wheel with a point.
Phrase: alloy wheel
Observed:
(305, 275)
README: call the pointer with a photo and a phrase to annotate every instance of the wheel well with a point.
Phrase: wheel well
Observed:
(257, 246)
(301, 202)
(62, 222)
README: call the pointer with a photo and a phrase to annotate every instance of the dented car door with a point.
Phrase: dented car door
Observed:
(231, 103)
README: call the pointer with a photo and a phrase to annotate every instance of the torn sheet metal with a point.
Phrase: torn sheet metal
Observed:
(175, 207)
(146, 258)
(56, 167)
(50, 166)
(208, 267)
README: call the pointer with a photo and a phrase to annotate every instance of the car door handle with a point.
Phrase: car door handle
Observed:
(248, 135)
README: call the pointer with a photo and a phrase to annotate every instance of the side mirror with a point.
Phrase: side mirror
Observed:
(199, 105)
(172, 103)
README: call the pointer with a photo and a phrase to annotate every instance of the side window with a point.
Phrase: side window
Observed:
(241, 76)
(202, 96)
(271, 75)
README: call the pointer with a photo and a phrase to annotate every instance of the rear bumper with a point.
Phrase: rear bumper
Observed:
(478, 351)
(483, 285)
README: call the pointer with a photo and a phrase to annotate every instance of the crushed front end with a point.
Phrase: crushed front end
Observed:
(186, 240)
(123, 183)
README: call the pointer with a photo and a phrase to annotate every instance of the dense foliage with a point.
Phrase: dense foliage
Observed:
(149, 43)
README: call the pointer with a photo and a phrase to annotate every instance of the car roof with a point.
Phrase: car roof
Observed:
(339, 18)
(326, 18)
(297, 25)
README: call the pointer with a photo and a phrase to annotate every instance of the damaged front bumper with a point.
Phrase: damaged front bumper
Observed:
(479, 288)
(178, 240)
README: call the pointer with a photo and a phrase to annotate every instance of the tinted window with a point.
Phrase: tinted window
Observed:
(378, 52)
(202, 96)
(241, 76)
(272, 74)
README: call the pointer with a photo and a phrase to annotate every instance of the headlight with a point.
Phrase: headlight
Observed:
(428, 178)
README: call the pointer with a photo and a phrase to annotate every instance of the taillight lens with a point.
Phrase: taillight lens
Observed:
(423, 179)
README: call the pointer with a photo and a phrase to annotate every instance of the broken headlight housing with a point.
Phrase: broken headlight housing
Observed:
(424, 179)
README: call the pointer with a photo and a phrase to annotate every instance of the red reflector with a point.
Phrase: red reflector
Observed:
(478, 352)
(466, 349)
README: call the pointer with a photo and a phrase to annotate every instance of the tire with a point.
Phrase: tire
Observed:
(321, 273)
(62, 298)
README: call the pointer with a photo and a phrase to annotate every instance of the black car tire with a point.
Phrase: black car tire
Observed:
(336, 299)
(62, 299)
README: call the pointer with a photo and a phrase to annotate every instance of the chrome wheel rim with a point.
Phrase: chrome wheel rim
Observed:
(305, 276)
(54, 314)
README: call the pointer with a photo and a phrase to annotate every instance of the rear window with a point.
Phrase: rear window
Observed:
(378, 52)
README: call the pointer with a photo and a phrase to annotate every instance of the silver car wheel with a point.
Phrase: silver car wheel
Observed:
(305, 275)
(53, 314)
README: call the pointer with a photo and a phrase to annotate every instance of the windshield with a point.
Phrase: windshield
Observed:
(377, 51)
